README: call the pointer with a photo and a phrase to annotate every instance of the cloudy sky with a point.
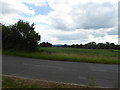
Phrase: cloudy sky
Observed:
(66, 21)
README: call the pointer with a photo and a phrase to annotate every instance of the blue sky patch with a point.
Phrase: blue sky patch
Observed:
(42, 10)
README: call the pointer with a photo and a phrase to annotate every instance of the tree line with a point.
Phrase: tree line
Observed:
(94, 45)
(20, 36)
(90, 45)
(45, 44)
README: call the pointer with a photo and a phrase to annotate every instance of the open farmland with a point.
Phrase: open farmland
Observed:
(106, 56)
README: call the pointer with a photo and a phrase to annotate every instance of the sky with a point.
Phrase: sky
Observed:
(66, 21)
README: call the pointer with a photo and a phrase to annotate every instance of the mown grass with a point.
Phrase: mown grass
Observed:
(71, 54)
(18, 82)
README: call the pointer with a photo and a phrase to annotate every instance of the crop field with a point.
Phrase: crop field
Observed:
(106, 56)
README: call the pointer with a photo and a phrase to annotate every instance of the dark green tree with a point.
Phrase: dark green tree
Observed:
(90, 45)
(20, 36)
(45, 44)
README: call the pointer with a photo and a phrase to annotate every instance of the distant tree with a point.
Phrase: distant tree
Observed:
(65, 45)
(101, 46)
(73, 45)
(112, 46)
(80, 46)
(93, 45)
(45, 44)
(90, 45)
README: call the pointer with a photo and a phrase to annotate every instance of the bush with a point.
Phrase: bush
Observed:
(20, 36)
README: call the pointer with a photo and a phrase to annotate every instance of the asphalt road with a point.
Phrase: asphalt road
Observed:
(101, 75)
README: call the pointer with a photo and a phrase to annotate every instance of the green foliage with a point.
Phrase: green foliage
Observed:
(45, 44)
(78, 51)
(71, 54)
(20, 36)
(93, 45)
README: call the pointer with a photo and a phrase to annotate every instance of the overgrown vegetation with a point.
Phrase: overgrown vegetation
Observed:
(17, 82)
(11, 82)
(71, 54)
(20, 39)
(45, 44)
(20, 36)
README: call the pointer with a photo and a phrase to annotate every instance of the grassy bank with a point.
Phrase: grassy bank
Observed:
(71, 54)
(11, 82)
(18, 82)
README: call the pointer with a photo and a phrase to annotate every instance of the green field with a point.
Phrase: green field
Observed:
(71, 54)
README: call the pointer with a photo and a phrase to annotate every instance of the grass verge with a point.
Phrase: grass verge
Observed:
(71, 54)
(10, 82)
(18, 82)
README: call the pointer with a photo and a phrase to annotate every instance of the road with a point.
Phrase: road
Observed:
(100, 75)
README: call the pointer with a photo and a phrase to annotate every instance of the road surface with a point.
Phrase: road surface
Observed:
(100, 75)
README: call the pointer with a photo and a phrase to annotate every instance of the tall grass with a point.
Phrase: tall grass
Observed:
(71, 54)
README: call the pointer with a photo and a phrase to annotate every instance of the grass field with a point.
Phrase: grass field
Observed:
(71, 54)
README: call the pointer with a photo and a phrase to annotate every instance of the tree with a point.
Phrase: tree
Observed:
(20, 36)
(90, 45)
(45, 44)
(65, 45)
(101, 46)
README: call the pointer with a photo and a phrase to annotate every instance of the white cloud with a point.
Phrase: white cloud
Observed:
(113, 31)
(108, 38)
(71, 21)
(11, 10)
(88, 15)
(76, 36)
(15, 7)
